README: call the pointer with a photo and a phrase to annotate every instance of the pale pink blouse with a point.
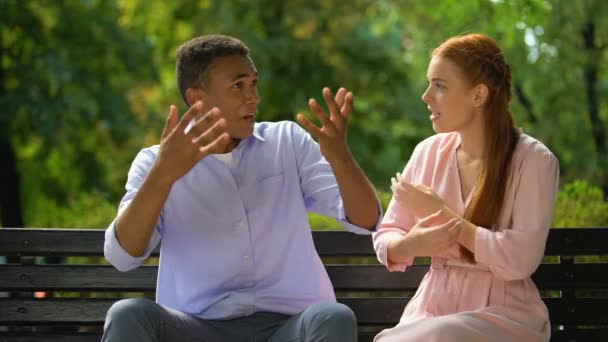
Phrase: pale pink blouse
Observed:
(497, 288)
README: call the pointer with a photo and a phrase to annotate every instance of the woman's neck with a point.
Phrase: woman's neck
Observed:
(473, 141)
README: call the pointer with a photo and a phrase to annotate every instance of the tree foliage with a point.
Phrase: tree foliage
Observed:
(85, 84)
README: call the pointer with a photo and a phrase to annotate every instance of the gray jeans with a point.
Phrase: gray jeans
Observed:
(140, 319)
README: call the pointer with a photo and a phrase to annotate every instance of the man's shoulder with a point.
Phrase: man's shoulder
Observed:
(147, 155)
(150, 151)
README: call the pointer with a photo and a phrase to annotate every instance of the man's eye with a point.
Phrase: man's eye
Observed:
(237, 85)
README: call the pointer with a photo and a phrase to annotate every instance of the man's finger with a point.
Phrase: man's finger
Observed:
(329, 99)
(334, 110)
(211, 133)
(170, 123)
(320, 113)
(309, 126)
(347, 109)
(340, 97)
(216, 146)
(196, 108)
(205, 121)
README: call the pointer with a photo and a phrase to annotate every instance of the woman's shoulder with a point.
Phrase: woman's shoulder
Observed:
(532, 150)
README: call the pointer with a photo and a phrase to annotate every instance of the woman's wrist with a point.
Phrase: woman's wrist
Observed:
(401, 249)
(467, 235)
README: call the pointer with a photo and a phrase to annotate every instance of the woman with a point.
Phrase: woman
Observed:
(478, 198)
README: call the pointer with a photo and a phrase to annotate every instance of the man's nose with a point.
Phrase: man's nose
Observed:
(253, 97)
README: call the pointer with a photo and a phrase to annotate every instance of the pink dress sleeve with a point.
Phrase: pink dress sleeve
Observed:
(396, 223)
(516, 253)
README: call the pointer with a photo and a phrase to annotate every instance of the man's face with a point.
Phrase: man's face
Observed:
(231, 86)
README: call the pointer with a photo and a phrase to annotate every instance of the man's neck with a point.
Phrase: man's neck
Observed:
(232, 145)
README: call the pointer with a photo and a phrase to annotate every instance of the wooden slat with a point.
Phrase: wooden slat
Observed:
(16, 241)
(343, 277)
(57, 311)
(342, 243)
(581, 335)
(577, 241)
(49, 337)
(84, 337)
(76, 278)
(564, 241)
(571, 276)
(369, 311)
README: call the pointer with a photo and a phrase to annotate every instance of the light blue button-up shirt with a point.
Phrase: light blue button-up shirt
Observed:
(236, 238)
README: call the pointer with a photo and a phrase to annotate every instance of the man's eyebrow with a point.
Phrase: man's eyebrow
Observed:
(243, 75)
(437, 79)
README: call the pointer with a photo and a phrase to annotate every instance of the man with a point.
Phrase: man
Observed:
(229, 199)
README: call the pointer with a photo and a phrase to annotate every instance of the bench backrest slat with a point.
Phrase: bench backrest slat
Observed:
(343, 277)
(369, 311)
(562, 241)
(376, 296)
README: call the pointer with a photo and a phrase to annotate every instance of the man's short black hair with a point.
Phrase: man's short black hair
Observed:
(196, 55)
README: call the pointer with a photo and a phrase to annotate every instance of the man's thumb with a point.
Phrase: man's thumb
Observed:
(170, 123)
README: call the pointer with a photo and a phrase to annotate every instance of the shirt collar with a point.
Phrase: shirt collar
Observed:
(256, 132)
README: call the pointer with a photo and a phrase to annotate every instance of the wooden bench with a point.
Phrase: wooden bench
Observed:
(77, 296)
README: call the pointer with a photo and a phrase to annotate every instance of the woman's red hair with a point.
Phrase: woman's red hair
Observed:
(482, 61)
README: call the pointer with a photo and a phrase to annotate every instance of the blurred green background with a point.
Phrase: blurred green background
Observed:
(85, 84)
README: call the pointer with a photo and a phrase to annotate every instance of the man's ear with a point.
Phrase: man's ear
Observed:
(480, 94)
(193, 95)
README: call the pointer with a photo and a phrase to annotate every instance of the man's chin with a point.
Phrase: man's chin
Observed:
(242, 134)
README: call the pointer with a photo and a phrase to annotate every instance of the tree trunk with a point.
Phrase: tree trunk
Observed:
(591, 73)
(591, 82)
(525, 102)
(10, 196)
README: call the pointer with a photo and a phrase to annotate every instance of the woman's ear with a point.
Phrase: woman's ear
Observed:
(480, 95)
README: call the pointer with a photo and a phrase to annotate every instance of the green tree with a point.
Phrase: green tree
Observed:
(557, 52)
(66, 70)
(85, 84)
(299, 47)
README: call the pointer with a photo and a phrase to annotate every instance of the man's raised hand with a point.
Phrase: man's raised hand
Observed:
(181, 149)
(332, 133)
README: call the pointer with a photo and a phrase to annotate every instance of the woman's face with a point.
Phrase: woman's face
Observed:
(449, 97)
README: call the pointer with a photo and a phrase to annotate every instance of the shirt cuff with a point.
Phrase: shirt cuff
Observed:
(482, 245)
(381, 247)
(354, 228)
(116, 255)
